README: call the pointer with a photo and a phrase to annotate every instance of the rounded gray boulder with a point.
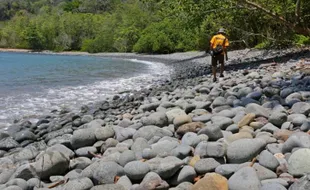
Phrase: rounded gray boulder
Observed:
(244, 150)
(244, 179)
(136, 170)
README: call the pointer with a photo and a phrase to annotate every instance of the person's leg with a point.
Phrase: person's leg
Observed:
(221, 60)
(214, 63)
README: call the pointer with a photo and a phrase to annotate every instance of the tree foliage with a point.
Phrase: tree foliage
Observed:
(151, 26)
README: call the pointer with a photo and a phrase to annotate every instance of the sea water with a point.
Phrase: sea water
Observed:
(34, 84)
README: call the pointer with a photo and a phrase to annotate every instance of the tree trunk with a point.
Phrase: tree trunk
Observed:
(298, 29)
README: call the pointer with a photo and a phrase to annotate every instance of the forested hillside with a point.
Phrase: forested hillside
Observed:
(151, 26)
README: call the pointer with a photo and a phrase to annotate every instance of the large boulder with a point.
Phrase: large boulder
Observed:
(78, 184)
(51, 163)
(297, 164)
(61, 148)
(244, 179)
(103, 172)
(83, 137)
(186, 174)
(151, 181)
(301, 184)
(258, 110)
(211, 181)
(243, 150)
(8, 143)
(172, 114)
(103, 133)
(165, 167)
(147, 132)
(136, 170)
(158, 119)
(301, 108)
(24, 135)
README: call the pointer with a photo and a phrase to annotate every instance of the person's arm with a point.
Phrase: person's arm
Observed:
(211, 45)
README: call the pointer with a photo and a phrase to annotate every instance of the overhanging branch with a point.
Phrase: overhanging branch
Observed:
(301, 30)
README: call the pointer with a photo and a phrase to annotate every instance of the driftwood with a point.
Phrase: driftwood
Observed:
(94, 155)
(64, 181)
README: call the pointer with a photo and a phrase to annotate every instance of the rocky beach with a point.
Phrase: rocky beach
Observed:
(248, 131)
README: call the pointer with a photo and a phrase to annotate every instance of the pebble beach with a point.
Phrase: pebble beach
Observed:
(248, 131)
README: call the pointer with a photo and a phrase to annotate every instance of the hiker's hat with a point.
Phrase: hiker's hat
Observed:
(221, 30)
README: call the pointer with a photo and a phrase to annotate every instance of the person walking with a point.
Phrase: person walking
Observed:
(218, 47)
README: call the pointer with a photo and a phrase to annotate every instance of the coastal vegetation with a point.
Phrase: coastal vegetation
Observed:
(151, 26)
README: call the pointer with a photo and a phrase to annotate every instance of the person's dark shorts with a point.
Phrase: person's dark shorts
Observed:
(216, 59)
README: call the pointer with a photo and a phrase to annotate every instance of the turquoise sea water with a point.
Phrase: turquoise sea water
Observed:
(33, 84)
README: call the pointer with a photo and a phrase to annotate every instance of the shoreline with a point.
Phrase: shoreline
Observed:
(185, 65)
(192, 126)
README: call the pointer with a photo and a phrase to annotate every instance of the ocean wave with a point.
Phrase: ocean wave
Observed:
(33, 104)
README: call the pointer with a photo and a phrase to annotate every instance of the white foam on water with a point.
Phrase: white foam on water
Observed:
(32, 105)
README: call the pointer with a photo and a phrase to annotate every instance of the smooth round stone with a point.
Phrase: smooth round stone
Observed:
(212, 131)
(139, 145)
(13, 187)
(203, 118)
(273, 186)
(83, 152)
(305, 126)
(80, 163)
(148, 153)
(18, 182)
(280, 181)
(222, 122)
(302, 184)
(227, 113)
(187, 174)
(182, 151)
(256, 125)
(158, 119)
(79, 184)
(211, 181)
(108, 187)
(267, 160)
(297, 119)
(296, 140)
(244, 91)
(165, 167)
(301, 108)
(243, 150)
(233, 128)
(82, 138)
(190, 139)
(181, 119)
(103, 133)
(24, 135)
(258, 110)
(244, 179)
(183, 186)
(297, 164)
(269, 127)
(277, 118)
(126, 157)
(285, 92)
(136, 170)
(270, 91)
(125, 182)
(205, 165)
(219, 101)
(256, 95)
(227, 170)
(263, 173)
(245, 101)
